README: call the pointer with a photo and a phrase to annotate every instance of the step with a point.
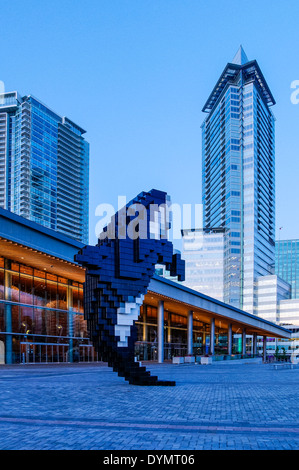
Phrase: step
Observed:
(152, 380)
(166, 383)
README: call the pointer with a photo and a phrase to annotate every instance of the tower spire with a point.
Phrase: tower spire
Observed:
(240, 57)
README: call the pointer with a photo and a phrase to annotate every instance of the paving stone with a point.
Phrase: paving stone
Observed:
(247, 406)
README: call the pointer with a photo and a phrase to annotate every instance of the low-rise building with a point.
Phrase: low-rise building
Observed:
(42, 313)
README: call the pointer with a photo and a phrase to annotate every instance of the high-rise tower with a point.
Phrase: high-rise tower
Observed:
(44, 166)
(238, 187)
(287, 264)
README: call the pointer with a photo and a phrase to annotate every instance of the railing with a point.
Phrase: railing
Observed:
(146, 351)
(223, 357)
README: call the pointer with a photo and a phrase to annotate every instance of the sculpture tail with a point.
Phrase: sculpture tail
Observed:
(136, 374)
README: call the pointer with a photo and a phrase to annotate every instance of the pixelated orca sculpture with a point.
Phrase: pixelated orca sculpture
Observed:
(118, 272)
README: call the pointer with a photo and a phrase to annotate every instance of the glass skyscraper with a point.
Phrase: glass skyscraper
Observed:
(287, 264)
(44, 166)
(238, 186)
(287, 268)
(203, 252)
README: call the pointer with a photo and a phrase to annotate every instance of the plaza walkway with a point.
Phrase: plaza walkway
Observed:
(220, 406)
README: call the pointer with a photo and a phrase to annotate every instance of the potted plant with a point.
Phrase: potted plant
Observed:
(276, 354)
(189, 358)
(206, 359)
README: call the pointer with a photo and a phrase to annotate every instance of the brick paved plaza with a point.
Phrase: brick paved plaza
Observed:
(221, 406)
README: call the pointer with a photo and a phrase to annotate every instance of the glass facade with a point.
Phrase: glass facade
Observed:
(287, 267)
(287, 264)
(203, 252)
(289, 312)
(289, 318)
(44, 166)
(175, 336)
(271, 290)
(238, 166)
(41, 317)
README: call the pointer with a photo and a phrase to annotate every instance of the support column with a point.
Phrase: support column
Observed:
(264, 348)
(71, 319)
(230, 340)
(244, 341)
(254, 351)
(190, 332)
(204, 340)
(8, 313)
(160, 332)
(145, 334)
(169, 329)
(212, 337)
(144, 330)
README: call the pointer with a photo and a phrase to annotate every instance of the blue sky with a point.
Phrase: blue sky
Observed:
(136, 74)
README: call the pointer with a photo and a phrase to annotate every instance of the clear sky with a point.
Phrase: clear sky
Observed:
(136, 73)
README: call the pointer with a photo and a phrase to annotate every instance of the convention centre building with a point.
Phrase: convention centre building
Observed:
(42, 313)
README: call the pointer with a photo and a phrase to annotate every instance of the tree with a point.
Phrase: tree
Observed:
(277, 354)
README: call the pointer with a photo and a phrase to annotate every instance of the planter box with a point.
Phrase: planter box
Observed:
(219, 358)
(189, 359)
(206, 360)
(178, 360)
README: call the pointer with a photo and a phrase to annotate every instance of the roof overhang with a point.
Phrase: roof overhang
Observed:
(180, 299)
(32, 244)
(42, 261)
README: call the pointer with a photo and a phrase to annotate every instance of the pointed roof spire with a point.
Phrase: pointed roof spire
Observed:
(240, 57)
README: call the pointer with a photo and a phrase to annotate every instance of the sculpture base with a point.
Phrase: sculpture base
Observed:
(136, 374)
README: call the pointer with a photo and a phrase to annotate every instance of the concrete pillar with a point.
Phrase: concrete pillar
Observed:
(145, 333)
(71, 320)
(160, 332)
(230, 340)
(254, 340)
(8, 337)
(144, 330)
(264, 348)
(190, 332)
(244, 341)
(204, 336)
(169, 328)
(8, 314)
(212, 337)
